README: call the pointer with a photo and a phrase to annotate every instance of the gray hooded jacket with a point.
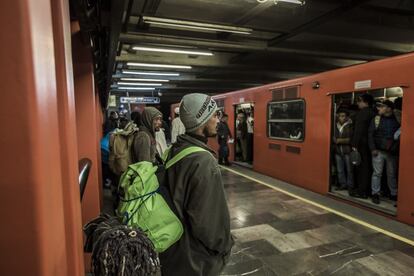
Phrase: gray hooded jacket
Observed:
(197, 191)
(145, 146)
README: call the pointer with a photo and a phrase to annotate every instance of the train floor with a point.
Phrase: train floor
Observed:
(279, 231)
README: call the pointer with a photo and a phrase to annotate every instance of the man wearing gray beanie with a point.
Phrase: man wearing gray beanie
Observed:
(198, 195)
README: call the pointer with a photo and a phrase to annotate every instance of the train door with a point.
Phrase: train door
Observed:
(344, 175)
(244, 134)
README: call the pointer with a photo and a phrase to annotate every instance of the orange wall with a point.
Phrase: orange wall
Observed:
(67, 136)
(87, 123)
(310, 169)
(38, 166)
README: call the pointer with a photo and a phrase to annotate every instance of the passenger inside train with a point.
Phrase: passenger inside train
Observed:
(244, 130)
(373, 131)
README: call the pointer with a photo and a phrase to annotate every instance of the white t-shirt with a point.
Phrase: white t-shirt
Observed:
(161, 142)
(250, 121)
(177, 128)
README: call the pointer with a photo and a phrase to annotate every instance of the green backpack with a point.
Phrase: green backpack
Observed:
(146, 201)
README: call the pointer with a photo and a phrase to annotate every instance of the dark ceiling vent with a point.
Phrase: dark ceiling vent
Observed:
(285, 93)
(275, 146)
(277, 95)
(291, 149)
(292, 93)
(220, 102)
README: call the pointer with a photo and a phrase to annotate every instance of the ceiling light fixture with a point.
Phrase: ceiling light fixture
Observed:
(171, 50)
(139, 84)
(150, 73)
(135, 88)
(158, 65)
(132, 79)
(195, 25)
(298, 2)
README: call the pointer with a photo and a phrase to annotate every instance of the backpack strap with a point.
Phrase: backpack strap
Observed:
(181, 155)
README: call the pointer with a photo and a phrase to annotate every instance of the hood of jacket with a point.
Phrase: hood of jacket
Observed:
(148, 116)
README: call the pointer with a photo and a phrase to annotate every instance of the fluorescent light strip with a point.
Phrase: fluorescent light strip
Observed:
(135, 88)
(195, 25)
(158, 65)
(176, 51)
(132, 79)
(139, 84)
(150, 73)
(292, 1)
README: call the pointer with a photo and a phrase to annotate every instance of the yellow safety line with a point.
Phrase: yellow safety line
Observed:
(348, 217)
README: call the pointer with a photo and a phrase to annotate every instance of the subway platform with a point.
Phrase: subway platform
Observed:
(281, 229)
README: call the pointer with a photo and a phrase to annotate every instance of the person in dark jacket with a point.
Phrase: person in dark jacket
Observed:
(111, 123)
(241, 134)
(381, 143)
(359, 143)
(342, 141)
(145, 145)
(198, 195)
(223, 135)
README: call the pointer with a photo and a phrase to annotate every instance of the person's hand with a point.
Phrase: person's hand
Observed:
(354, 149)
(375, 153)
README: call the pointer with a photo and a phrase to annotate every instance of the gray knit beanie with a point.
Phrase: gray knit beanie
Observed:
(195, 110)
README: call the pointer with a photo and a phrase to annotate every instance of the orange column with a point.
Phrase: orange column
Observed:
(99, 134)
(68, 138)
(86, 122)
(33, 232)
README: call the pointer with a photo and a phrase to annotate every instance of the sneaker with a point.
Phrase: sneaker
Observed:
(340, 188)
(375, 199)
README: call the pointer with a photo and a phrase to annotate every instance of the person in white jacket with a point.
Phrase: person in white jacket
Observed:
(178, 127)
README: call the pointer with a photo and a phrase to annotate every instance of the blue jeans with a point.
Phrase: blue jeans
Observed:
(344, 170)
(223, 150)
(378, 165)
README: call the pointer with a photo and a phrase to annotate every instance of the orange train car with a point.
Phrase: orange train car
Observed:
(293, 124)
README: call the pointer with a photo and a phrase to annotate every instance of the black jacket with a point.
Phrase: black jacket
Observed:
(361, 125)
(198, 195)
(381, 133)
(223, 132)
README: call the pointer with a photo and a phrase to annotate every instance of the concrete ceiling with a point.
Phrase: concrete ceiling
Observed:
(287, 40)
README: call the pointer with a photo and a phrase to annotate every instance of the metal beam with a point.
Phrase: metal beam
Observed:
(388, 10)
(254, 12)
(351, 4)
(310, 66)
(248, 16)
(240, 46)
(152, 7)
(395, 47)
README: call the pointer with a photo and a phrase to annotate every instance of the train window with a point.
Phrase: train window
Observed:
(286, 120)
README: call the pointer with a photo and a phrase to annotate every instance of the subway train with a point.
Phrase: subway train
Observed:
(294, 120)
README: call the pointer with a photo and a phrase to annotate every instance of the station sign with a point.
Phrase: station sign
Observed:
(140, 100)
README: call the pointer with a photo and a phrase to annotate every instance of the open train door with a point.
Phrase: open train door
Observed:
(346, 105)
(244, 134)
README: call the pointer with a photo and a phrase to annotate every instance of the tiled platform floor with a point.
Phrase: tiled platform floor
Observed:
(277, 234)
